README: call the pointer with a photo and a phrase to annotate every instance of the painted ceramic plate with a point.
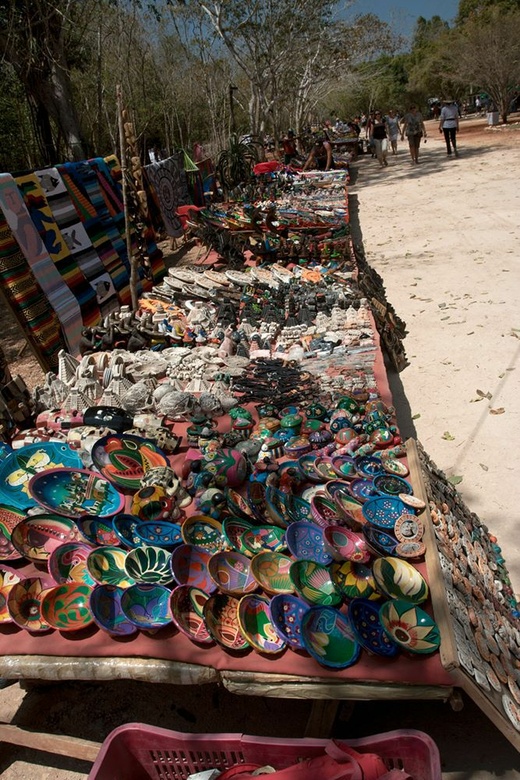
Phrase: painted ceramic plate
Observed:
(97, 532)
(286, 613)
(355, 580)
(271, 571)
(395, 467)
(190, 567)
(368, 629)
(205, 532)
(147, 606)
(149, 565)
(75, 492)
(107, 567)
(21, 465)
(9, 519)
(24, 603)
(187, 605)
(306, 542)
(124, 459)
(314, 583)
(68, 563)
(67, 607)
(256, 625)
(125, 527)
(221, 618)
(410, 550)
(38, 536)
(410, 627)
(414, 502)
(230, 571)
(398, 579)
(409, 528)
(160, 533)
(105, 605)
(328, 638)
(264, 537)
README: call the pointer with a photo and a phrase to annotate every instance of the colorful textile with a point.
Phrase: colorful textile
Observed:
(25, 296)
(169, 181)
(78, 242)
(53, 285)
(57, 247)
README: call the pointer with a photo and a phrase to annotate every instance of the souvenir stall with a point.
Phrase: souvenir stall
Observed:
(234, 503)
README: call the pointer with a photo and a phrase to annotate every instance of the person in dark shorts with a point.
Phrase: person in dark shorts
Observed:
(320, 157)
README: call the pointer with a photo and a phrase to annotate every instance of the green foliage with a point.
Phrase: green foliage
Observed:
(470, 9)
(235, 164)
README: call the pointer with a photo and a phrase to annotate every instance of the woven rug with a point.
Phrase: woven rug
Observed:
(78, 242)
(24, 295)
(47, 275)
(169, 182)
(57, 247)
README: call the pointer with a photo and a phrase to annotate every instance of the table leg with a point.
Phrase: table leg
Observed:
(321, 719)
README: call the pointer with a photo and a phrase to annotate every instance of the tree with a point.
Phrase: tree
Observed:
(471, 8)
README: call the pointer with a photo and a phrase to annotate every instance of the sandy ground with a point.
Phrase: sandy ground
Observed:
(444, 235)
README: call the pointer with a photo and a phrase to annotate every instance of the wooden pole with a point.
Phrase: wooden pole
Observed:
(122, 146)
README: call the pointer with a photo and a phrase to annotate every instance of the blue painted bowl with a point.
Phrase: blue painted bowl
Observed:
(368, 629)
(329, 639)
(105, 605)
(160, 533)
(305, 542)
(147, 606)
(287, 612)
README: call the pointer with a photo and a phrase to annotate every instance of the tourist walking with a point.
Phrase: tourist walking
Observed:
(449, 125)
(380, 138)
(412, 124)
(392, 126)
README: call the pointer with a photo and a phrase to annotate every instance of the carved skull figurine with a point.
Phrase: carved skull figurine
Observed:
(167, 478)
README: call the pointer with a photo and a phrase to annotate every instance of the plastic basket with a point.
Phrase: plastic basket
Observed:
(139, 752)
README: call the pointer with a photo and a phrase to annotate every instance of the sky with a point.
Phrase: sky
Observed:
(402, 14)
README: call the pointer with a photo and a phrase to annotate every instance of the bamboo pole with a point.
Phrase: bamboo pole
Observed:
(132, 260)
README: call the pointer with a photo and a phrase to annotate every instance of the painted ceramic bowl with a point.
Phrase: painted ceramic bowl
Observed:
(37, 536)
(8, 578)
(105, 605)
(97, 532)
(256, 499)
(68, 563)
(124, 459)
(383, 511)
(263, 537)
(238, 505)
(277, 506)
(369, 466)
(231, 573)
(160, 533)
(328, 638)
(306, 542)
(233, 529)
(190, 567)
(147, 606)
(204, 532)
(395, 467)
(324, 511)
(75, 492)
(286, 613)
(362, 489)
(221, 617)
(187, 605)
(398, 579)
(344, 467)
(307, 466)
(17, 469)
(410, 627)
(354, 580)
(271, 571)
(107, 567)
(334, 486)
(125, 527)
(67, 607)
(9, 519)
(255, 623)
(298, 509)
(152, 502)
(390, 485)
(349, 509)
(313, 582)
(379, 542)
(342, 544)
(24, 603)
(229, 466)
(149, 565)
(368, 629)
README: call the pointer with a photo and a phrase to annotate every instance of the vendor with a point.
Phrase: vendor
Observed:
(320, 157)
(288, 146)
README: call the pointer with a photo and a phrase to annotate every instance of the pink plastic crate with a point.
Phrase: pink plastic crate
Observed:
(139, 752)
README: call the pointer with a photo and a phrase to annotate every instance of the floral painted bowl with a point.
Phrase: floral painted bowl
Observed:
(383, 511)
(160, 533)
(147, 606)
(9, 519)
(263, 537)
(105, 605)
(255, 623)
(313, 582)
(68, 563)
(187, 605)
(410, 627)
(354, 580)
(37, 536)
(190, 567)
(125, 527)
(75, 492)
(231, 573)
(149, 565)
(368, 629)
(398, 579)
(306, 542)
(342, 544)
(97, 532)
(233, 529)
(204, 532)
(298, 509)
(124, 459)
(67, 607)
(286, 613)
(107, 567)
(344, 466)
(349, 510)
(221, 617)
(328, 638)
(391, 485)
(271, 571)
(24, 603)
(324, 511)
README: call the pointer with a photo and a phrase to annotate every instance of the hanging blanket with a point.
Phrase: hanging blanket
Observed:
(78, 242)
(25, 296)
(169, 181)
(60, 297)
(57, 247)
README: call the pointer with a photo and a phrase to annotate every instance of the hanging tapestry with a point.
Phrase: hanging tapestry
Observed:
(41, 215)
(60, 297)
(78, 242)
(169, 181)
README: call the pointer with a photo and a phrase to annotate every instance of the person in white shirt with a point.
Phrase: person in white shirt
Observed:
(449, 125)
